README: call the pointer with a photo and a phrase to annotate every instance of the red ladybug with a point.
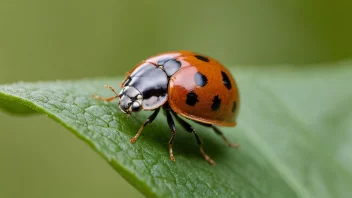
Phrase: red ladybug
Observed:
(182, 83)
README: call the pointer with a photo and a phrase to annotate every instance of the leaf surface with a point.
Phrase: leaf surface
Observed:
(294, 128)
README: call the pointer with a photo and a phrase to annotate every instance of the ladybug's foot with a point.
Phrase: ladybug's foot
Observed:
(170, 146)
(133, 140)
(217, 131)
(171, 153)
(232, 145)
(206, 157)
(229, 143)
(172, 127)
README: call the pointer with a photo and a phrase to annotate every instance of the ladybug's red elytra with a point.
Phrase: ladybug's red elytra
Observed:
(182, 83)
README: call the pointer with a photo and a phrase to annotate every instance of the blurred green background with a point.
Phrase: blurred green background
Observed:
(73, 39)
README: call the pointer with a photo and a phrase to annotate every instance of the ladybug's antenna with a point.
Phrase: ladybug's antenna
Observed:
(107, 99)
(112, 89)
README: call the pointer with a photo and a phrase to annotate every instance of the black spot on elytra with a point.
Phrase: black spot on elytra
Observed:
(192, 98)
(226, 80)
(216, 103)
(234, 106)
(200, 79)
(202, 58)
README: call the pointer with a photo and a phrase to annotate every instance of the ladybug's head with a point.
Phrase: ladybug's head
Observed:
(130, 100)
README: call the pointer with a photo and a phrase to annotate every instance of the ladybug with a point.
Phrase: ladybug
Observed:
(183, 84)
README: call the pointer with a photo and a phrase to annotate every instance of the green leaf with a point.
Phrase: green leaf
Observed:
(294, 129)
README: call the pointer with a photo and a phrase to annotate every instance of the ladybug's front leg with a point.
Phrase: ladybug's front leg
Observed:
(148, 121)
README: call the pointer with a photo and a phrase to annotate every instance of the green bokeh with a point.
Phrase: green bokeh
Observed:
(73, 39)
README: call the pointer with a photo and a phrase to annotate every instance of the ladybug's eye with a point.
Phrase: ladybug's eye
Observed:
(135, 106)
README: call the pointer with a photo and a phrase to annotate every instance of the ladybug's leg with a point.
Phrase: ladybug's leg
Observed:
(148, 121)
(107, 99)
(172, 127)
(217, 131)
(190, 129)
